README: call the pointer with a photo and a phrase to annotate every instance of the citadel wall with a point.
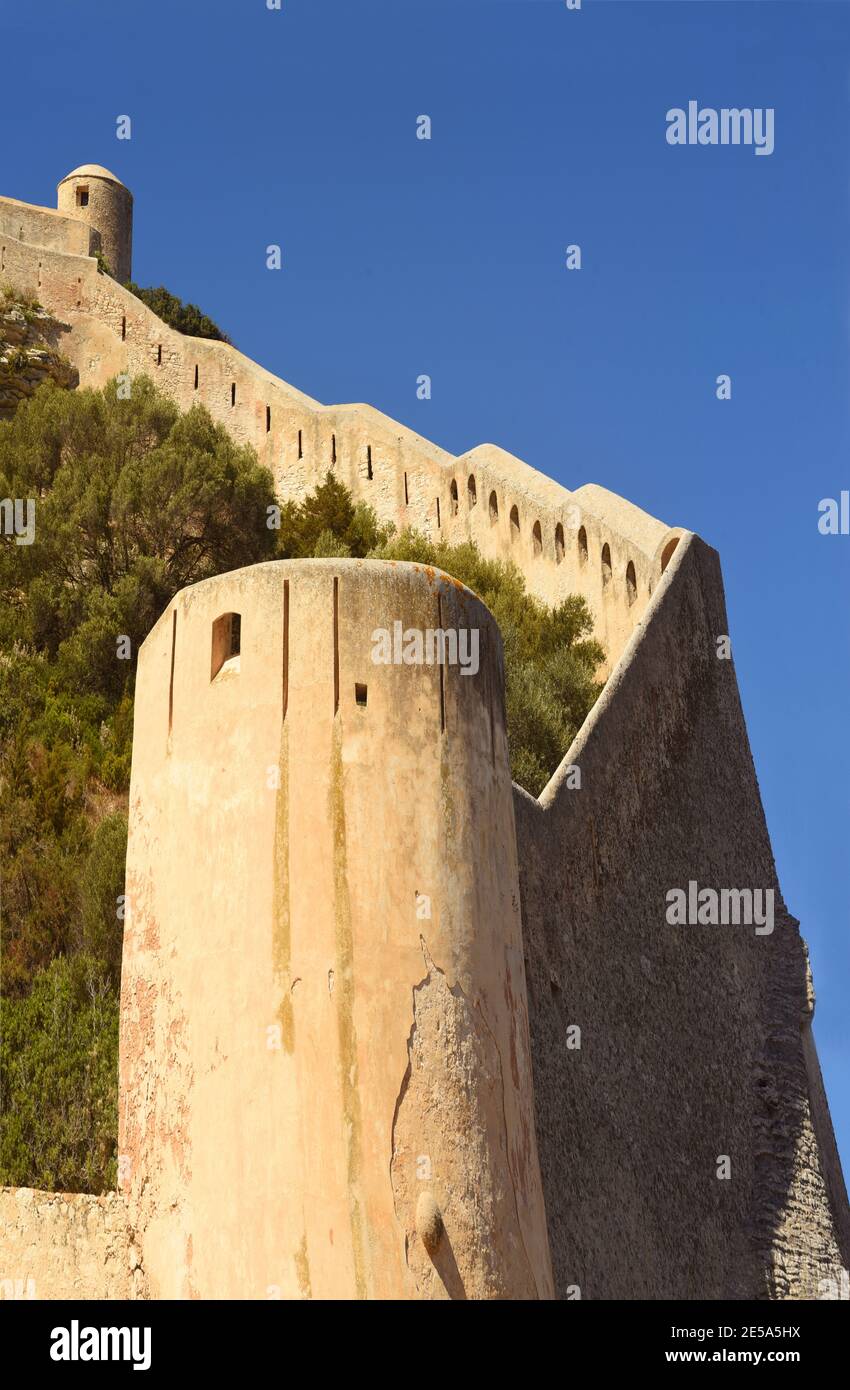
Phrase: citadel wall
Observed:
(47, 229)
(695, 1040)
(587, 541)
(324, 1037)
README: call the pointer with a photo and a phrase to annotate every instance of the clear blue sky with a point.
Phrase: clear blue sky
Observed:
(403, 257)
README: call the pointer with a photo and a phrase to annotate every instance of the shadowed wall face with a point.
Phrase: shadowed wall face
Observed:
(694, 1038)
(325, 1064)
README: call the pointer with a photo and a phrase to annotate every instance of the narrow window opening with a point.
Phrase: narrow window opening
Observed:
(606, 565)
(233, 393)
(406, 498)
(336, 645)
(333, 448)
(285, 700)
(559, 543)
(582, 545)
(197, 376)
(159, 355)
(82, 196)
(124, 328)
(493, 508)
(360, 694)
(171, 681)
(300, 446)
(631, 583)
(369, 462)
(226, 644)
(453, 497)
(471, 492)
(438, 513)
(268, 418)
(537, 539)
(514, 524)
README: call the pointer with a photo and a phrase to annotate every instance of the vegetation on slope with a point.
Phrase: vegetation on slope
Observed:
(135, 501)
(27, 356)
(186, 318)
(551, 658)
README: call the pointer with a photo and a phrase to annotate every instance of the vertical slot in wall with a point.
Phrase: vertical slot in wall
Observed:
(285, 695)
(171, 679)
(442, 666)
(336, 645)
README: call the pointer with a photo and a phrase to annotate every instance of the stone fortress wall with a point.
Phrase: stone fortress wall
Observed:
(45, 229)
(696, 1040)
(587, 541)
(325, 1093)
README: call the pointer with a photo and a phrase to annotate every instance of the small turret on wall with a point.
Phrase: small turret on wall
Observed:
(95, 196)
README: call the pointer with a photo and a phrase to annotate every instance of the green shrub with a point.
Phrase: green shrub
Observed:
(551, 659)
(186, 318)
(328, 524)
(101, 887)
(24, 299)
(59, 1077)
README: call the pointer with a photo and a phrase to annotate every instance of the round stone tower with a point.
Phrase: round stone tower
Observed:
(93, 195)
(325, 1061)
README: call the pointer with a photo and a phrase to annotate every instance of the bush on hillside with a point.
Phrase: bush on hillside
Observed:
(186, 318)
(551, 658)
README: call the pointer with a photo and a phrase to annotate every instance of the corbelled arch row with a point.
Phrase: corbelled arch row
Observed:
(556, 537)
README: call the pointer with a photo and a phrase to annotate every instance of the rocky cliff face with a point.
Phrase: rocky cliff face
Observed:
(27, 357)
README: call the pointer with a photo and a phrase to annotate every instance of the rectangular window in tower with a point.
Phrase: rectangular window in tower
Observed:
(82, 197)
(226, 644)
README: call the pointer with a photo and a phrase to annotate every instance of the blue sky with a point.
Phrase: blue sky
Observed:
(446, 257)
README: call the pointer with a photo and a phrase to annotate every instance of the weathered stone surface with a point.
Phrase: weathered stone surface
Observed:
(58, 1245)
(26, 360)
(322, 992)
